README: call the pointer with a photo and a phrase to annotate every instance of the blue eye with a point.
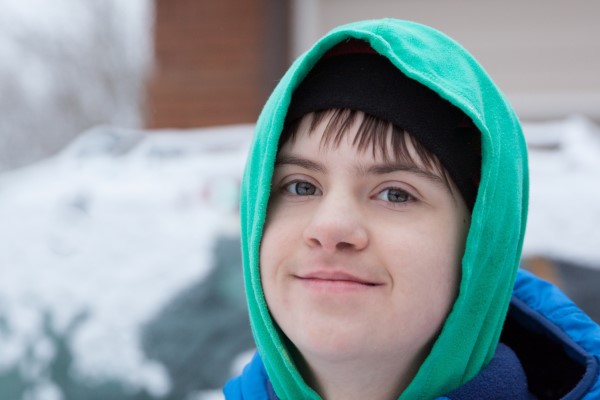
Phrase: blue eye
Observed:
(394, 195)
(302, 188)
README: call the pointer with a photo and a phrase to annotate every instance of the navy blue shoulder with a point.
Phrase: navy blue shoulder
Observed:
(549, 350)
(557, 344)
(502, 378)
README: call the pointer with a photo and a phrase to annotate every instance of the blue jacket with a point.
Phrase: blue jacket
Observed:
(549, 350)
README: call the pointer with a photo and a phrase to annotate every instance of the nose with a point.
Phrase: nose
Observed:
(336, 225)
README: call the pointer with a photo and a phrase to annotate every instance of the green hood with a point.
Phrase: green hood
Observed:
(471, 332)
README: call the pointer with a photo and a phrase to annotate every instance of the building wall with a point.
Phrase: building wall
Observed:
(215, 60)
(544, 54)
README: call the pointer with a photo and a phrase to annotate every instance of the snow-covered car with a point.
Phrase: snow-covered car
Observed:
(120, 267)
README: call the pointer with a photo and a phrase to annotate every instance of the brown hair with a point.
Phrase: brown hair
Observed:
(381, 136)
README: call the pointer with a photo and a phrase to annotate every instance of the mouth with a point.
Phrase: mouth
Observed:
(336, 279)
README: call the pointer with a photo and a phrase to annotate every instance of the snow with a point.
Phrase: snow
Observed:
(105, 234)
(564, 210)
(102, 235)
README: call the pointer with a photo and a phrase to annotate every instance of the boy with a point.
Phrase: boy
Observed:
(383, 212)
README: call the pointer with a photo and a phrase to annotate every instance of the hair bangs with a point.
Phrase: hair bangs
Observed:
(380, 137)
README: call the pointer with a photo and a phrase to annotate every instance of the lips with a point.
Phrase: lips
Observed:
(333, 277)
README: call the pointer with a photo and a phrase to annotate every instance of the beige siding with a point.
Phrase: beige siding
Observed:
(544, 54)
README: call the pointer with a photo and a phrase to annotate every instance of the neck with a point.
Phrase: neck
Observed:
(379, 378)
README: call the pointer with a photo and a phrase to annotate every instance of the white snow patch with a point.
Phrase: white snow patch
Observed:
(108, 232)
(564, 209)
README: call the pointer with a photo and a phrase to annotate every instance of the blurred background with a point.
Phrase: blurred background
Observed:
(124, 127)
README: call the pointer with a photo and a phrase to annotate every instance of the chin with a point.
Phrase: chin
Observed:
(332, 345)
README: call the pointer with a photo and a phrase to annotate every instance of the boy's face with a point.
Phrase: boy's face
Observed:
(360, 257)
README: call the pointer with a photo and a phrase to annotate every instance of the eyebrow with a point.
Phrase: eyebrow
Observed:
(386, 168)
(376, 169)
(300, 162)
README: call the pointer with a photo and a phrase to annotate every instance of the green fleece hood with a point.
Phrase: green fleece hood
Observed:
(471, 332)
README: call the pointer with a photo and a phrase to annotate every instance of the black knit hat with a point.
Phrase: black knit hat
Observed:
(353, 76)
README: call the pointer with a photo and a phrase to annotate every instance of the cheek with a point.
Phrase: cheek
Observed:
(269, 241)
(282, 234)
(429, 262)
(274, 259)
(446, 260)
(268, 253)
(274, 254)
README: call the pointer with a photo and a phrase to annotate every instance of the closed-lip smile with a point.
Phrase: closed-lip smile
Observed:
(333, 277)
